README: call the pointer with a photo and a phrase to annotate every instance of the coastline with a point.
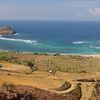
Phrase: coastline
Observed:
(52, 54)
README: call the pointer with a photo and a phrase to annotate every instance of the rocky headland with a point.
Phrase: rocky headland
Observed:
(7, 30)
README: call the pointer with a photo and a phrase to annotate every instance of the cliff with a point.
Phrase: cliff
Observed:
(7, 30)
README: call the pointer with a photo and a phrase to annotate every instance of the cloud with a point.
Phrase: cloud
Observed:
(95, 11)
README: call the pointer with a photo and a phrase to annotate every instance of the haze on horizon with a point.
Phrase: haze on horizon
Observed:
(50, 10)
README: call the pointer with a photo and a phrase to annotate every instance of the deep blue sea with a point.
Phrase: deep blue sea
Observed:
(71, 37)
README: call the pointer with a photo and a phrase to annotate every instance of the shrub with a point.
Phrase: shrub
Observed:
(56, 54)
(32, 66)
(1, 66)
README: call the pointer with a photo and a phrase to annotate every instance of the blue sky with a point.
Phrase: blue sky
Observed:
(49, 9)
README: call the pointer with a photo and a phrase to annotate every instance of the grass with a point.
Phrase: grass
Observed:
(69, 63)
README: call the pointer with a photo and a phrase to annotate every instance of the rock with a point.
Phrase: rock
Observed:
(12, 92)
(96, 92)
(7, 30)
(65, 86)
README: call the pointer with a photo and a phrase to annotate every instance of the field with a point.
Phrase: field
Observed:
(50, 71)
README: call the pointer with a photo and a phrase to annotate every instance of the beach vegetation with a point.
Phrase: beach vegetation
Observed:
(56, 54)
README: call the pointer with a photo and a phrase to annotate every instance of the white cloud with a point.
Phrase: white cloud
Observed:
(95, 11)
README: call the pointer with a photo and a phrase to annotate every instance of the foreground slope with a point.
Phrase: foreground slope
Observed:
(49, 73)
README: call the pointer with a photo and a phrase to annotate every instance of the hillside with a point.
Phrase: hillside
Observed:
(56, 75)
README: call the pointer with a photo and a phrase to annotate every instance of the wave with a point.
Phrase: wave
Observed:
(16, 34)
(95, 47)
(18, 40)
(80, 42)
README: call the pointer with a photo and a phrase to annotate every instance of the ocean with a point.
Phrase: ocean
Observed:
(68, 37)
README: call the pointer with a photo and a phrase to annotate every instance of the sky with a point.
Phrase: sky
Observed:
(50, 10)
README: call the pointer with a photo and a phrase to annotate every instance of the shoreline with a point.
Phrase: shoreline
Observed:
(60, 54)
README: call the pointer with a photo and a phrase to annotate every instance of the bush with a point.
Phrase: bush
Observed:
(56, 54)
(32, 66)
(1, 66)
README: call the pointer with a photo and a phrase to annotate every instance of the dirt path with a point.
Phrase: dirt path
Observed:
(86, 90)
(73, 86)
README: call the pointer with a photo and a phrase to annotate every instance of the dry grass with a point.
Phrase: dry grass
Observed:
(69, 63)
(69, 68)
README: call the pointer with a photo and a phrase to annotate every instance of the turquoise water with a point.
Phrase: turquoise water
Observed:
(69, 37)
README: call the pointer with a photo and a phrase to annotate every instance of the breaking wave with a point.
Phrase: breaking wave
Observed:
(95, 47)
(18, 40)
(16, 34)
(80, 42)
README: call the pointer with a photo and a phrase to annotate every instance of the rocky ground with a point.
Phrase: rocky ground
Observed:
(96, 92)
(12, 92)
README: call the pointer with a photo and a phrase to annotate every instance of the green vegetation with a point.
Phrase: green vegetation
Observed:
(1, 66)
(32, 65)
